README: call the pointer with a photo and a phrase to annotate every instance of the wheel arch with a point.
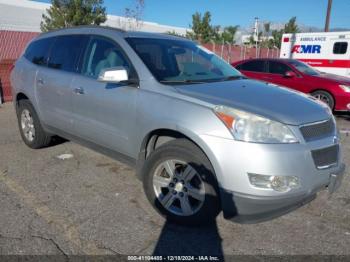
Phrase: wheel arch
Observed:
(21, 96)
(327, 91)
(158, 137)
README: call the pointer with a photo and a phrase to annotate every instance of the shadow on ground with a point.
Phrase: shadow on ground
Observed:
(186, 241)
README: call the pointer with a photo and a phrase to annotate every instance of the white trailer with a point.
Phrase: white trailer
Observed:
(326, 51)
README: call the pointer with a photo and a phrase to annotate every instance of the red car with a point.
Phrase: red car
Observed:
(331, 89)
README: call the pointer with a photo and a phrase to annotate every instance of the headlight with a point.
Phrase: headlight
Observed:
(253, 128)
(345, 88)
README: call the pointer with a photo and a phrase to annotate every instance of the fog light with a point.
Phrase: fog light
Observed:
(348, 106)
(277, 183)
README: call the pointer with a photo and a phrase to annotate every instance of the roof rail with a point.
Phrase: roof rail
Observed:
(87, 27)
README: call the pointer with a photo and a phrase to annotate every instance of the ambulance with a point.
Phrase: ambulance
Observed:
(328, 52)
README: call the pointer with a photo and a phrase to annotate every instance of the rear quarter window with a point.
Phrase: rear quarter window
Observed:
(37, 52)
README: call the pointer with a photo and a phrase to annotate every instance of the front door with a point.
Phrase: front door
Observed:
(104, 113)
(277, 75)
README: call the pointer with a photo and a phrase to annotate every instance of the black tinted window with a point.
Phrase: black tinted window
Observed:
(340, 48)
(65, 52)
(239, 67)
(37, 51)
(101, 54)
(254, 66)
(278, 68)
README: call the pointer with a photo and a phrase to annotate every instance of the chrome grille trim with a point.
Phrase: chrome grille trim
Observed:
(325, 157)
(317, 130)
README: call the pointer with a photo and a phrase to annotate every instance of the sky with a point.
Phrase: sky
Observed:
(238, 12)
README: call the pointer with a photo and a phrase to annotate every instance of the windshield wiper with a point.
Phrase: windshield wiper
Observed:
(187, 81)
(229, 78)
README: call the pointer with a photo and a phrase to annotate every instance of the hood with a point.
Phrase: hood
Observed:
(270, 101)
(343, 80)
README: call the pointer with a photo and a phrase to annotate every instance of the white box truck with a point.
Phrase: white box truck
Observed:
(326, 51)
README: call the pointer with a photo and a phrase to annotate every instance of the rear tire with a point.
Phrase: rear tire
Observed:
(180, 183)
(325, 97)
(32, 132)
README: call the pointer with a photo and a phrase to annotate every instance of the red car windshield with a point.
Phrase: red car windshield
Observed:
(304, 68)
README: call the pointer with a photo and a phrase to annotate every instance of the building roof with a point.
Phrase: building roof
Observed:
(25, 15)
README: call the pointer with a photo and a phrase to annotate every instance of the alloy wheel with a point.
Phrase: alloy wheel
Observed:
(27, 125)
(178, 187)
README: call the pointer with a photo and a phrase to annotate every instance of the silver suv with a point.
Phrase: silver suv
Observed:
(203, 137)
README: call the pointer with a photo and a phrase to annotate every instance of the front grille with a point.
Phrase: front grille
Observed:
(325, 157)
(317, 130)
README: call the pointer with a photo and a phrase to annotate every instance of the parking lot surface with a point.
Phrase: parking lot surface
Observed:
(67, 199)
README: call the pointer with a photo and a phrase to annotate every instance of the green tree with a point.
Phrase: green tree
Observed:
(265, 41)
(68, 13)
(289, 28)
(277, 37)
(174, 33)
(217, 36)
(228, 35)
(201, 28)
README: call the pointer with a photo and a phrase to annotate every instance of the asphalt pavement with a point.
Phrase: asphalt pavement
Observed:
(67, 199)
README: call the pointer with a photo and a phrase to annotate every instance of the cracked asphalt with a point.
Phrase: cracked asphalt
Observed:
(92, 204)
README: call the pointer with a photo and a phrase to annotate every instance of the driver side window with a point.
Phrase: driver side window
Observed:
(278, 68)
(101, 54)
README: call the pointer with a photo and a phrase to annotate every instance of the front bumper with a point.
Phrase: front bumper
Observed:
(244, 208)
(342, 102)
(242, 202)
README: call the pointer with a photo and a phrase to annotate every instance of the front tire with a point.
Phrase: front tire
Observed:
(32, 133)
(180, 183)
(325, 97)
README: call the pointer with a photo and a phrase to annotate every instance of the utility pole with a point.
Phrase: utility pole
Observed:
(329, 7)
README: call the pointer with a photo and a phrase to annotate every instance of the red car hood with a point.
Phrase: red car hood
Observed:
(335, 78)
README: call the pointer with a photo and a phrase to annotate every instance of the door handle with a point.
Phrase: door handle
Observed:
(79, 91)
(40, 81)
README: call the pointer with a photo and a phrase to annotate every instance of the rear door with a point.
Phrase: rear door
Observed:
(253, 69)
(54, 81)
(104, 113)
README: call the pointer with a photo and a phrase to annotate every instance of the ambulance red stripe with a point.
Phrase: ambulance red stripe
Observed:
(327, 63)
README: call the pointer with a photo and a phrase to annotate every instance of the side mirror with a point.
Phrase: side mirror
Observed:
(290, 74)
(113, 75)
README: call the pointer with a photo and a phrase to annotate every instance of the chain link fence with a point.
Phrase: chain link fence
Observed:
(12, 44)
(233, 53)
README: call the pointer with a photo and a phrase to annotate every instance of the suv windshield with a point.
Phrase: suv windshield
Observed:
(181, 61)
(304, 68)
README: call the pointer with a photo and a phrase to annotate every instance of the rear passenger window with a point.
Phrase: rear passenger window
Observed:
(102, 54)
(65, 52)
(254, 66)
(278, 68)
(37, 52)
(340, 48)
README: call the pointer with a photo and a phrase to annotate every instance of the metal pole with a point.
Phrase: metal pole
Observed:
(329, 7)
(222, 48)
(256, 35)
